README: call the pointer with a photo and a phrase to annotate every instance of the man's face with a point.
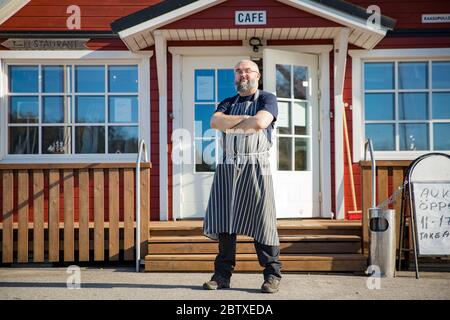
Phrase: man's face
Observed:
(246, 77)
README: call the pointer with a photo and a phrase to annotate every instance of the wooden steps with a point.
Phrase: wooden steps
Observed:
(249, 263)
(306, 246)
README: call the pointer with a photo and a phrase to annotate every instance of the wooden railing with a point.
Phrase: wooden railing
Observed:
(71, 212)
(389, 177)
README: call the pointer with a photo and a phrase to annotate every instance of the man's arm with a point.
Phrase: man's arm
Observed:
(261, 120)
(222, 122)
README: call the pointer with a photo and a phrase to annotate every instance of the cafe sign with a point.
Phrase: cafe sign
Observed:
(46, 44)
(250, 18)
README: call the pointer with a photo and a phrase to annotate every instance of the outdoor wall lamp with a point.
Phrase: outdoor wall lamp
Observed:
(255, 43)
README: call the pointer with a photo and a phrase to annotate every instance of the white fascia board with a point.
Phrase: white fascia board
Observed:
(10, 8)
(76, 54)
(400, 53)
(334, 15)
(169, 17)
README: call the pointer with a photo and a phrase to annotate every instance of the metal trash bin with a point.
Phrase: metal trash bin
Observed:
(382, 241)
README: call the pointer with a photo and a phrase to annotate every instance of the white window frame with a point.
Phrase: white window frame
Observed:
(359, 57)
(79, 57)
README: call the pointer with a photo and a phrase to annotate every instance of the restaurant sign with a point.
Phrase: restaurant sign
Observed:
(250, 18)
(436, 18)
(45, 44)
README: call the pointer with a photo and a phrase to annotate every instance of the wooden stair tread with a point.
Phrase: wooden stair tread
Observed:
(314, 224)
(253, 257)
(283, 238)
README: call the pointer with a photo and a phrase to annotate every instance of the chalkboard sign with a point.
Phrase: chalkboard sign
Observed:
(431, 202)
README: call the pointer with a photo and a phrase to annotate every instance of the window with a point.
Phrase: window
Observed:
(294, 120)
(407, 105)
(211, 87)
(72, 109)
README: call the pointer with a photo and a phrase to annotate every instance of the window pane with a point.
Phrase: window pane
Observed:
(301, 83)
(301, 118)
(283, 80)
(123, 78)
(379, 106)
(90, 139)
(123, 109)
(413, 75)
(441, 105)
(53, 110)
(205, 86)
(23, 109)
(301, 154)
(90, 79)
(205, 155)
(56, 140)
(379, 75)
(284, 153)
(23, 140)
(441, 75)
(122, 139)
(23, 79)
(203, 113)
(441, 134)
(90, 109)
(53, 78)
(226, 83)
(284, 125)
(413, 136)
(413, 106)
(382, 136)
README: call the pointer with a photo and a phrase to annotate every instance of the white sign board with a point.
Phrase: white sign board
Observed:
(436, 18)
(432, 216)
(250, 18)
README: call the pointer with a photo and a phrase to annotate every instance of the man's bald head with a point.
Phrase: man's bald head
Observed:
(247, 64)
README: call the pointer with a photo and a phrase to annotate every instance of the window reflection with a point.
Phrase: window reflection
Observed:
(284, 153)
(90, 139)
(123, 109)
(441, 75)
(379, 106)
(284, 121)
(202, 117)
(413, 75)
(122, 139)
(441, 105)
(23, 109)
(379, 75)
(90, 109)
(90, 79)
(301, 118)
(283, 81)
(53, 110)
(53, 78)
(301, 154)
(56, 140)
(23, 140)
(441, 134)
(413, 106)
(123, 78)
(413, 136)
(300, 82)
(23, 79)
(382, 136)
(225, 84)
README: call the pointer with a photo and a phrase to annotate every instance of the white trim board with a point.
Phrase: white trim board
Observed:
(358, 58)
(324, 105)
(78, 57)
(10, 8)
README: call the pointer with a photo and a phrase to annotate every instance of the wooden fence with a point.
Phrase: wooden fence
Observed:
(71, 212)
(389, 177)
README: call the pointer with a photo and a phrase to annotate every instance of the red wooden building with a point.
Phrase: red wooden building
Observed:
(83, 82)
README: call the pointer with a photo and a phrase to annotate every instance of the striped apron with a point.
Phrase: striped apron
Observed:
(242, 198)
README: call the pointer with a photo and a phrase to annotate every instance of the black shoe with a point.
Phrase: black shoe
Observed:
(271, 285)
(216, 283)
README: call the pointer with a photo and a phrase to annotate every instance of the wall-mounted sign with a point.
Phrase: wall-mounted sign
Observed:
(436, 18)
(250, 17)
(45, 44)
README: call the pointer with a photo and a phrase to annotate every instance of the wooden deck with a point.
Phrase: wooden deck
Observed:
(308, 245)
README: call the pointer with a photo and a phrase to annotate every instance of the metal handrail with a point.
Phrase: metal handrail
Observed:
(142, 147)
(369, 144)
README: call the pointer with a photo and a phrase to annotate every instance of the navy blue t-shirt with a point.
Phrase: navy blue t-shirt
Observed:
(266, 101)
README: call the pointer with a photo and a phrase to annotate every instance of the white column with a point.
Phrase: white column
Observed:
(161, 68)
(340, 60)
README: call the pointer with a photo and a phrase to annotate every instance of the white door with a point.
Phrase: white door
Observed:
(206, 82)
(292, 77)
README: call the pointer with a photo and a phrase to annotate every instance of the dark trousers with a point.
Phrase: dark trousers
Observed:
(268, 256)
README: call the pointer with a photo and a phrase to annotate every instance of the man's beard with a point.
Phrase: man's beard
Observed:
(245, 86)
